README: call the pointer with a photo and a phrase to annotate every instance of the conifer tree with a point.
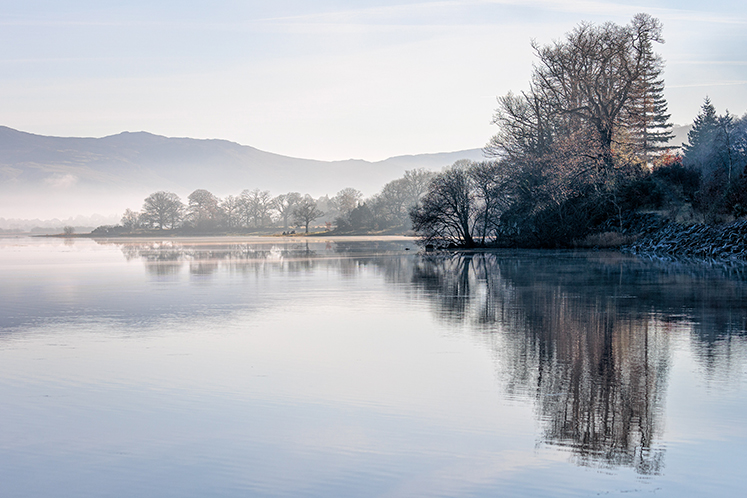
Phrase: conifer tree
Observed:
(700, 151)
(646, 117)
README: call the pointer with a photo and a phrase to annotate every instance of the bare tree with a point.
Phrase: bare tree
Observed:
(231, 208)
(417, 182)
(284, 205)
(592, 75)
(400, 195)
(492, 182)
(464, 205)
(163, 210)
(394, 201)
(306, 211)
(591, 83)
(130, 219)
(346, 200)
(526, 127)
(204, 209)
(448, 211)
(256, 206)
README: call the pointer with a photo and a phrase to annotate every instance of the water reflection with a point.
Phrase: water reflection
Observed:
(169, 257)
(163, 258)
(596, 372)
(588, 337)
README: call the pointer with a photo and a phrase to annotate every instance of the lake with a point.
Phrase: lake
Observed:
(315, 367)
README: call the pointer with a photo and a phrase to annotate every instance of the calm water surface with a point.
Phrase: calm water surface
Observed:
(273, 367)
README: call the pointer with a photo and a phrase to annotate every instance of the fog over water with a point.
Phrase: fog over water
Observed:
(319, 367)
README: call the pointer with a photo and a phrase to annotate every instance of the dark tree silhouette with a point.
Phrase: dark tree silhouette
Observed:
(305, 212)
(448, 212)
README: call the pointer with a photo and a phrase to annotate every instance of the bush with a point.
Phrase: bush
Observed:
(109, 230)
(680, 180)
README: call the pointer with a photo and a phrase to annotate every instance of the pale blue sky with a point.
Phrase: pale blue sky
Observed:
(326, 79)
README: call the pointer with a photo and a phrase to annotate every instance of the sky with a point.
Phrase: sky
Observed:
(328, 79)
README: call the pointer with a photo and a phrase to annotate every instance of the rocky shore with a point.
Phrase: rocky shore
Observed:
(654, 236)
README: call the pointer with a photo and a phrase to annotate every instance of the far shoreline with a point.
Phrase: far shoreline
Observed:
(267, 238)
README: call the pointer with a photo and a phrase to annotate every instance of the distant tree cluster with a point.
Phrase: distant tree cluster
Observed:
(205, 212)
(584, 147)
(386, 210)
(256, 209)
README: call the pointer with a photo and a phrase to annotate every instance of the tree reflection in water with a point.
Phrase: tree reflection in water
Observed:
(167, 258)
(587, 337)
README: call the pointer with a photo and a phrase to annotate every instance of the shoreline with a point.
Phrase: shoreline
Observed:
(651, 237)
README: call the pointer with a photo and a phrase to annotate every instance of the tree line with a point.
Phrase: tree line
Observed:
(578, 154)
(257, 209)
(586, 147)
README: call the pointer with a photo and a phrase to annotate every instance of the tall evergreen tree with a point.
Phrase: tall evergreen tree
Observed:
(646, 117)
(701, 150)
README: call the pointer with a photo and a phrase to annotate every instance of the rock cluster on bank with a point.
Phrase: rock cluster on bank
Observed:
(721, 242)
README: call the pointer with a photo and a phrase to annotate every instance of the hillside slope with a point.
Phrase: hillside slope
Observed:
(59, 176)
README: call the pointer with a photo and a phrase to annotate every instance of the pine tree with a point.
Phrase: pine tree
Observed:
(701, 150)
(646, 117)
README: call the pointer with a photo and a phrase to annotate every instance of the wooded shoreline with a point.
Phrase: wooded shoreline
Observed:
(645, 235)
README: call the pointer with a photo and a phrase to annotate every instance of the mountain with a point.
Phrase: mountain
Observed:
(42, 176)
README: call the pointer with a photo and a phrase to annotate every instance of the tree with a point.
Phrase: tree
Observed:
(417, 182)
(646, 116)
(362, 217)
(284, 205)
(593, 115)
(68, 231)
(203, 210)
(582, 83)
(346, 200)
(393, 202)
(397, 197)
(526, 127)
(448, 211)
(162, 210)
(256, 206)
(231, 209)
(492, 182)
(717, 148)
(130, 220)
(700, 150)
(305, 212)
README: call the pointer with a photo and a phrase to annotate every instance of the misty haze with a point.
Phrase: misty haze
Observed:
(400, 249)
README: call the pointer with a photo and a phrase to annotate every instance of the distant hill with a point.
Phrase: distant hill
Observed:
(57, 177)
(42, 176)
